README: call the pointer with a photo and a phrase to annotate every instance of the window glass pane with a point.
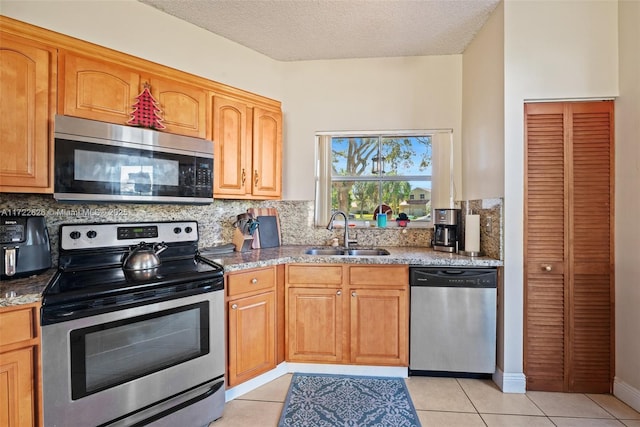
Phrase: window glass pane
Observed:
(388, 171)
(352, 156)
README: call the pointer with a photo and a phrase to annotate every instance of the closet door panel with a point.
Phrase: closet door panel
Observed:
(591, 216)
(545, 235)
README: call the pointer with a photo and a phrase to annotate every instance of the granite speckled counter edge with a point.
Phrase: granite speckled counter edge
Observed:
(29, 289)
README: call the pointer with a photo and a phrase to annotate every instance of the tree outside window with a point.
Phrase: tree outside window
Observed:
(373, 170)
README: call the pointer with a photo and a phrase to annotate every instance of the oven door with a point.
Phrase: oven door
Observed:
(114, 365)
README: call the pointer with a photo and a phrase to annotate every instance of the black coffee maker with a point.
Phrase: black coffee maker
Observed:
(447, 233)
(24, 246)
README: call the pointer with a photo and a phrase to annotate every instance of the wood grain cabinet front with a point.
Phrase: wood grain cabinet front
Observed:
(247, 150)
(27, 107)
(102, 90)
(251, 308)
(348, 314)
(20, 391)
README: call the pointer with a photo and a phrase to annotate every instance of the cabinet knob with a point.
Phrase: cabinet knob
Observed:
(254, 281)
(234, 306)
(339, 293)
(546, 267)
(353, 294)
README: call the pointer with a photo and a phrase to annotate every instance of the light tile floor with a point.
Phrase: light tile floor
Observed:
(457, 402)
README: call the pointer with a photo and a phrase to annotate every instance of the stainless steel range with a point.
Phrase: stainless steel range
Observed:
(133, 328)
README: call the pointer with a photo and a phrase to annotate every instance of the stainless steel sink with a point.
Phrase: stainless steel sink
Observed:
(367, 252)
(349, 252)
(325, 251)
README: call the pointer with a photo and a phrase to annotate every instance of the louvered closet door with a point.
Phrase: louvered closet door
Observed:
(568, 248)
(591, 222)
(545, 247)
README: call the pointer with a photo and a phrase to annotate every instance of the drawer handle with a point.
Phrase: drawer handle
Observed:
(353, 294)
(234, 306)
(254, 281)
(339, 293)
(547, 267)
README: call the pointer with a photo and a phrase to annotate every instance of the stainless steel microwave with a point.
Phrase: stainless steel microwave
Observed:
(97, 161)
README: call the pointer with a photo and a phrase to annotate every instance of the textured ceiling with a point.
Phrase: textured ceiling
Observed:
(294, 30)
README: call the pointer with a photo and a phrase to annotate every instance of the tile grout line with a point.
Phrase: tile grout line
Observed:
(471, 401)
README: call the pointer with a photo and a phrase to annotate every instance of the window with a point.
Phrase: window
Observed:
(365, 173)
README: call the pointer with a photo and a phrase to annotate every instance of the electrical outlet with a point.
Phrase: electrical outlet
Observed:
(489, 225)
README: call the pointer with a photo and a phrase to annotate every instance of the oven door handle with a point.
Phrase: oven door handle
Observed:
(59, 314)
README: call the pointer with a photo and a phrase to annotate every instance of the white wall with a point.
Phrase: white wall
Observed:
(483, 111)
(364, 94)
(140, 30)
(553, 49)
(627, 110)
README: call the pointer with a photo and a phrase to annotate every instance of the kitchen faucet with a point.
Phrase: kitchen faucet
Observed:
(346, 226)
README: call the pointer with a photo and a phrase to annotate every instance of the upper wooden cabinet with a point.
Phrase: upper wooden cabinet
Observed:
(247, 150)
(267, 153)
(184, 106)
(44, 73)
(106, 91)
(95, 89)
(27, 105)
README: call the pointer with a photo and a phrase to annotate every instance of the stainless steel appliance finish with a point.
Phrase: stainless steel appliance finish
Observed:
(125, 350)
(447, 234)
(24, 246)
(452, 321)
(107, 162)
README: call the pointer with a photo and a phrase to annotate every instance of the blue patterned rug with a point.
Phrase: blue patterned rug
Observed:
(353, 401)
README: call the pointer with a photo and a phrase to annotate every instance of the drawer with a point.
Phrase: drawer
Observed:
(259, 279)
(313, 274)
(387, 275)
(16, 325)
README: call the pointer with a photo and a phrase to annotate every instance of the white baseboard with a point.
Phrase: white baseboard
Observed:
(626, 393)
(514, 382)
(256, 382)
(377, 371)
(314, 368)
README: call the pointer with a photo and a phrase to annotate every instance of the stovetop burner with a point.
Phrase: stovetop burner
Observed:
(91, 277)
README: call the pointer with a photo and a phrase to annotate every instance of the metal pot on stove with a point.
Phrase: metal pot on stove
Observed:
(142, 261)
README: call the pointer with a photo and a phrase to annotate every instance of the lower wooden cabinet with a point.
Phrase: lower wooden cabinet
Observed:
(20, 392)
(350, 314)
(251, 308)
(315, 325)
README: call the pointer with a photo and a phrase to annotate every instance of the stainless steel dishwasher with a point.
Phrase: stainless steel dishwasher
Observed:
(453, 321)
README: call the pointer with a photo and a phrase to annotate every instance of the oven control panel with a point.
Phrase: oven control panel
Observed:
(89, 236)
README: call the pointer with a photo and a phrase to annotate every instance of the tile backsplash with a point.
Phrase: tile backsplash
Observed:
(215, 220)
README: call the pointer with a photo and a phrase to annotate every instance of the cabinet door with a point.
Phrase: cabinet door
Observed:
(27, 73)
(252, 348)
(184, 107)
(98, 90)
(379, 326)
(17, 388)
(315, 325)
(231, 148)
(267, 153)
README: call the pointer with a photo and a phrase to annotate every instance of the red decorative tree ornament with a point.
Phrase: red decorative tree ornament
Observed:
(146, 111)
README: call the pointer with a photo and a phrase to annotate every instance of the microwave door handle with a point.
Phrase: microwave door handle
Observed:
(10, 261)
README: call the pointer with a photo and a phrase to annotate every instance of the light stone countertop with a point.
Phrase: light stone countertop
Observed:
(418, 256)
(29, 290)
